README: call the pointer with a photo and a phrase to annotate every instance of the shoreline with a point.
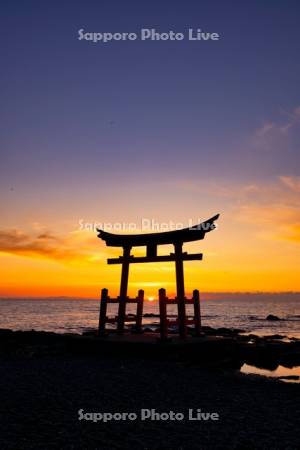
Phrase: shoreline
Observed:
(222, 347)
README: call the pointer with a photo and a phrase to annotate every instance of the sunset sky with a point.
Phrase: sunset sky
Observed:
(169, 131)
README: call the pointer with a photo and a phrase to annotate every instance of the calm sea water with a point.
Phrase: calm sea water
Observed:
(245, 311)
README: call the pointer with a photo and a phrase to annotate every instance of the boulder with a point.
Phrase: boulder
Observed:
(272, 317)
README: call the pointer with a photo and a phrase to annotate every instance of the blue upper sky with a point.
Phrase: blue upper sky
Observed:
(75, 112)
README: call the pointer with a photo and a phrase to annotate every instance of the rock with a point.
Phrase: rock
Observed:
(5, 332)
(228, 331)
(148, 330)
(288, 377)
(275, 336)
(290, 358)
(89, 333)
(272, 317)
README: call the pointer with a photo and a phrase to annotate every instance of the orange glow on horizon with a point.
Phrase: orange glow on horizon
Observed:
(254, 248)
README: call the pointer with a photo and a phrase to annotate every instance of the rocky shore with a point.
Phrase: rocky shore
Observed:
(48, 378)
(222, 347)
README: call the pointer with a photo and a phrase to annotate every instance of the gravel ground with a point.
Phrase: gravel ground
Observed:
(40, 399)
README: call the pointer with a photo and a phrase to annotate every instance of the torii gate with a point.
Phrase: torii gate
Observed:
(151, 241)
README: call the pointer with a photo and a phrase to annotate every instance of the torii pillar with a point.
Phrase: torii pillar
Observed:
(123, 289)
(180, 289)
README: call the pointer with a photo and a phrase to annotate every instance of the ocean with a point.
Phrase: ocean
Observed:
(245, 311)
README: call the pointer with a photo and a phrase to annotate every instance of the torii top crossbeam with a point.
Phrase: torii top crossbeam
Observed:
(195, 233)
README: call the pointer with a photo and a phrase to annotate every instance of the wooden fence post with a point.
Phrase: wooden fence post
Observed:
(163, 314)
(197, 312)
(139, 310)
(102, 312)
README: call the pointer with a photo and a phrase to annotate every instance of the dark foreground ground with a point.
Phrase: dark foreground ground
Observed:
(45, 379)
(40, 399)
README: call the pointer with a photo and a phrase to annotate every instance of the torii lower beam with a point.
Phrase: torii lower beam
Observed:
(143, 259)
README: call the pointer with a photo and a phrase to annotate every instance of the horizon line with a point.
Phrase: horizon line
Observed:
(75, 298)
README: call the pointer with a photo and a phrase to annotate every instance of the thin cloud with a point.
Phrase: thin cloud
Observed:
(291, 120)
(276, 217)
(46, 245)
(265, 129)
(292, 182)
(277, 222)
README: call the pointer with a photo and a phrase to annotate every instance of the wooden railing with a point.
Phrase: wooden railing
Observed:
(165, 322)
(137, 318)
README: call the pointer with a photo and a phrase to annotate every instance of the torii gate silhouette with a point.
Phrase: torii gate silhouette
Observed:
(151, 241)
